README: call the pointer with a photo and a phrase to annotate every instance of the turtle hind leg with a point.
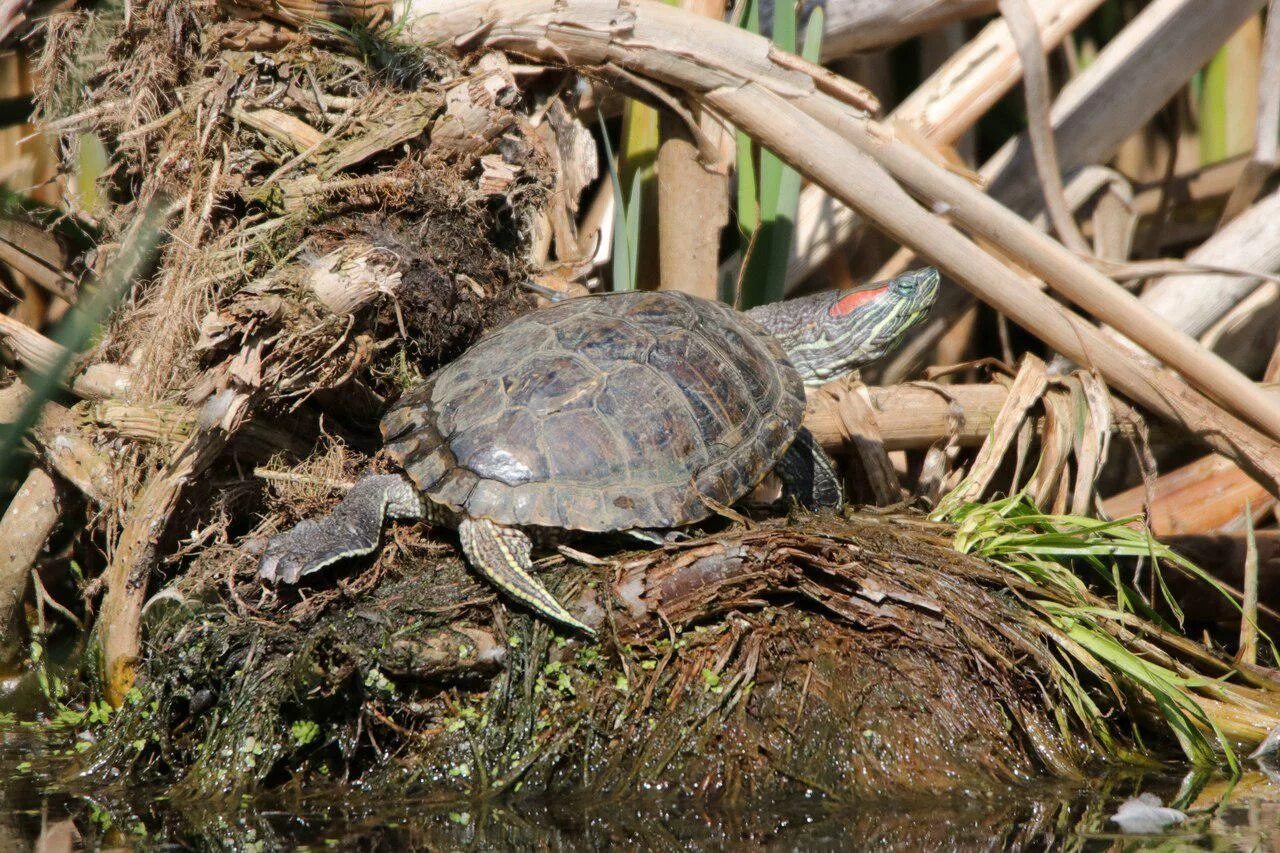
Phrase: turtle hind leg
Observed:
(351, 530)
(501, 554)
(809, 475)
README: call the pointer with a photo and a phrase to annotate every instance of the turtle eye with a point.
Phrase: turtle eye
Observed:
(905, 286)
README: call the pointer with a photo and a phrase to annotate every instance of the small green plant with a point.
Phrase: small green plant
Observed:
(768, 189)
(626, 221)
(304, 731)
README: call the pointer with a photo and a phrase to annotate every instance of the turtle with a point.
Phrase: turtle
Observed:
(636, 411)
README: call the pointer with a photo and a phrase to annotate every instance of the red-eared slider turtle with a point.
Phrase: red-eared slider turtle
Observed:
(626, 411)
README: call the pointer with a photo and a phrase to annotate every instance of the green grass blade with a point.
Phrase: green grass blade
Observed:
(776, 186)
(813, 30)
(621, 266)
(635, 204)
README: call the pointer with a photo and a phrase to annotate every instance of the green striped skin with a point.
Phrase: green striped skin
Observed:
(833, 333)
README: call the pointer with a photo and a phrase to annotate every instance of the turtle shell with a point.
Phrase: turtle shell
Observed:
(605, 412)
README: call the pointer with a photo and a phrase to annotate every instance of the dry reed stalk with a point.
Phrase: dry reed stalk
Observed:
(1205, 496)
(1096, 112)
(1035, 86)
(693, 196)
(1133, 76)
(1199, 303)
(37, 352)
(860, 25)
(305, 12)
(785, 111)
(36, 254)
(24, 528)
(1063, 271)
(128, 573)
(1248, 648)
(858, 430)
(918, 415)
(942, 109)
(1266, 141)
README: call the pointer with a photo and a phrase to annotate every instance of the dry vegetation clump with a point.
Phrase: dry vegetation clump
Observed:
(272, 157)
(340, 214)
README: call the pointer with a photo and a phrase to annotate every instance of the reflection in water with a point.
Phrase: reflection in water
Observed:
(63, 815)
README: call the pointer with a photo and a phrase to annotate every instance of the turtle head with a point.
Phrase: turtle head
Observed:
(829, 334)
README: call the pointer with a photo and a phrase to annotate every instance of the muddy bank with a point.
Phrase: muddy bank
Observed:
(849, 659)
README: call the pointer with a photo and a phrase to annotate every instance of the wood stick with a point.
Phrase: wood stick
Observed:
(918, 415)
(780, 107)
(63, 445)
(1205, 496)
(1035, 85)
(942, 109)
(128, 573)
(858, 25)
(693, 196)
(24, 529)
(37, 352)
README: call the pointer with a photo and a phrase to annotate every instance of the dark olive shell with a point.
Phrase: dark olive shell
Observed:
(602, 413)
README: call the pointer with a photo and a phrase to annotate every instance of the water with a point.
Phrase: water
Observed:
(44, 805)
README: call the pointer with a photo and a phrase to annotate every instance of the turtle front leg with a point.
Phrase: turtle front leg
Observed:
(352, 529)
(501, 554)
(809, 475)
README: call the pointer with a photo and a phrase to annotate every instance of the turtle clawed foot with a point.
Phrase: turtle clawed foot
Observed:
(297, 552)
(352, 529)
(311, 546)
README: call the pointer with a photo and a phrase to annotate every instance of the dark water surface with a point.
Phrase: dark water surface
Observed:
(45, 806)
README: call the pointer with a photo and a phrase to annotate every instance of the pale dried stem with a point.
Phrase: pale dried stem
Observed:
(129, 572)
(63, 445)
(942, 109)
(1072, 278)
(38, 353)
(917, 415)
(1204, 496)
(342, 281)
(1193, 303)
(859, 25)
(693, 195)
(1131, 79)
(1134, 75)
(25, 527)
(1248, 647)
(1035, 84)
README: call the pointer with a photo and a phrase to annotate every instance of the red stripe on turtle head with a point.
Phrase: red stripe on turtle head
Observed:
(854, 300)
